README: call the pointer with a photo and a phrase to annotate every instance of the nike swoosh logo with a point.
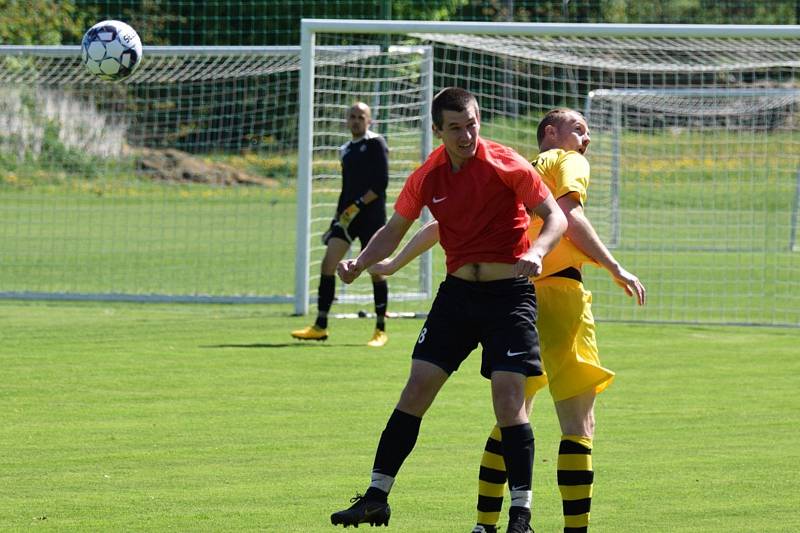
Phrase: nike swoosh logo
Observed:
(437, 200)
(509, 353)
(521, 487)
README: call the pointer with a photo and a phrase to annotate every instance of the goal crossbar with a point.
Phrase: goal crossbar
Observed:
(553, 29)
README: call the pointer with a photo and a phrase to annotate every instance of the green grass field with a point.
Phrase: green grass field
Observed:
(125, 417)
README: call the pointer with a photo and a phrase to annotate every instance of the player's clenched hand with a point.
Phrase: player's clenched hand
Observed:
(348, 270)
(528, 265)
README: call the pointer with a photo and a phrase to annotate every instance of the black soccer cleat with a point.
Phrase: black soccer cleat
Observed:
(363, 511)
(520, 523)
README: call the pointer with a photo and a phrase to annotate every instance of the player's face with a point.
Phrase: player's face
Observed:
(573, 134)
(459, 134)
(358, 120)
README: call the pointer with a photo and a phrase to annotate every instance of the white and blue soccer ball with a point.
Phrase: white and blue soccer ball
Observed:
(111, 49)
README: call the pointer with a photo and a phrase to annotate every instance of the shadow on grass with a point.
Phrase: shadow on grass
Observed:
(282, 345)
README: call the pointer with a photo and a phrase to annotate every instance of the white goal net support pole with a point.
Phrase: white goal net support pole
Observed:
(695, 146)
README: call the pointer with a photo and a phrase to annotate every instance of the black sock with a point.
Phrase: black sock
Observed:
(380, 291)
(397, 441)
(376, 495)
(325, 293)
(518, 455)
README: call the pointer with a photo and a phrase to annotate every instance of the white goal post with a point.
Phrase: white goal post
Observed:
(696, 136)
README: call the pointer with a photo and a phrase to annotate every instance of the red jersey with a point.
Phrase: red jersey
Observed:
(481, 207)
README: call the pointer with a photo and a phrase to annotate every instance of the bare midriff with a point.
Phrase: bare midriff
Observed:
(484, 271)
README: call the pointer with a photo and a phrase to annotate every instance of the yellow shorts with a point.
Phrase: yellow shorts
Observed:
(567, 341)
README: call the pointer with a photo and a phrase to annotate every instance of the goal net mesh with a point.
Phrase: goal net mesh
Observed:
(177, 184)
(694, 157)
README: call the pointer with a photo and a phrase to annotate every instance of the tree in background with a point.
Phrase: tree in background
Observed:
(688, 11)
(54, 23)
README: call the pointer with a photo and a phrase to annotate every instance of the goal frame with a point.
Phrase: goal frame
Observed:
(311, 27)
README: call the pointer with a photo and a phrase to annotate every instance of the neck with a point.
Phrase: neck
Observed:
(455, 163)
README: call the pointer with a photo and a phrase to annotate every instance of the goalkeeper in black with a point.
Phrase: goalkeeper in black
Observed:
(360, 212)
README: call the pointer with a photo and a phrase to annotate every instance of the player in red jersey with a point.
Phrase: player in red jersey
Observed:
(479, 192)
(565, 324)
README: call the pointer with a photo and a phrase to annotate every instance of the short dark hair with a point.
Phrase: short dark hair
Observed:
(451, 99)
(553, 117)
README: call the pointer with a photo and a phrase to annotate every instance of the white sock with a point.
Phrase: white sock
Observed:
(382, 482)
(521, 498)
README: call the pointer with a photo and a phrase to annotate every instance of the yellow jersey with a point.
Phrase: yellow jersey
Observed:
(563, 172)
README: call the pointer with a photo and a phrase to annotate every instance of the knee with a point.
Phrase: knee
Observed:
(510, 409)
(328, 266)
(416, 388)
(416, 397)
(583, 426)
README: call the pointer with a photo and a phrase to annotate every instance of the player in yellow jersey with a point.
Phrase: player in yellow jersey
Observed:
(565, 323)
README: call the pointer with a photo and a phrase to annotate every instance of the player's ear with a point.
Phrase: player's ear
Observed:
(436, 131)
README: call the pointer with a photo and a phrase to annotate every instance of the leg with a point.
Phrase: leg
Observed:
(575, 473)
(396, 443)
(400, 435)
(491, 483)
(380, 291)
(508, 397)
(335, 251)
(492, 475)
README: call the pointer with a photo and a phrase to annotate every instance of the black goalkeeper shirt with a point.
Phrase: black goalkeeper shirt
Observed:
(365, 166)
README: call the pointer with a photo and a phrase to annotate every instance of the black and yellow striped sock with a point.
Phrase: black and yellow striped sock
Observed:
(575, 478)
(491, 480)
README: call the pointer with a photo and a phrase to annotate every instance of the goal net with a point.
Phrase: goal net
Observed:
(694, 151)
(178, 184)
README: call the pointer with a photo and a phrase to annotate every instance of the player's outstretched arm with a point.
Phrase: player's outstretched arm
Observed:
(581, 232)
(424, 239)
(553, 228)
(381, 245)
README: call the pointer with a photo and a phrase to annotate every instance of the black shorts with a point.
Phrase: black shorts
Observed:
(363, 227)
(499, 315)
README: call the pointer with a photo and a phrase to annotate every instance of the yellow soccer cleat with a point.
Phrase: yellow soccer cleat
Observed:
(379, 338)
(310, 333)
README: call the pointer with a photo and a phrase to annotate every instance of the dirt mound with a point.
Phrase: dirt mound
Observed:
(174, 165)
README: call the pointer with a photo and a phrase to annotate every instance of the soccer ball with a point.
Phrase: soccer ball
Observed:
(111, 49)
